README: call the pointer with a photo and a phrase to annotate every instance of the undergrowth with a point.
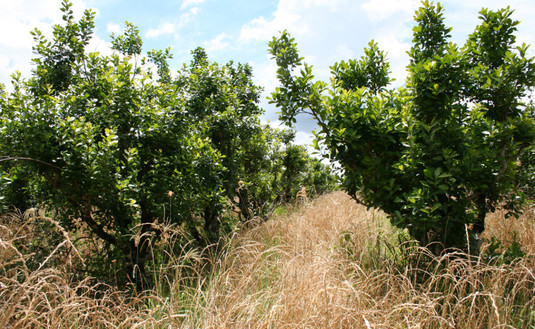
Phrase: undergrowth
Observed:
(327, 264)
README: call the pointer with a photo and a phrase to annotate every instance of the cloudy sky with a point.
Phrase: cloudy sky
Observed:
(326, 30)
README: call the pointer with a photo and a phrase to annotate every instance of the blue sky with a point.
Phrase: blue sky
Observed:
(326, 30)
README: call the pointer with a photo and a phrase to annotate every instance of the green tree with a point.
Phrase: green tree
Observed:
(107, 140)
(439, 153)
(226, 100)
(122, 144)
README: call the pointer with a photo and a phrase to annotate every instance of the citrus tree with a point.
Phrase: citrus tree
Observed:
(122, 144)
(106, 140)
(438, 153)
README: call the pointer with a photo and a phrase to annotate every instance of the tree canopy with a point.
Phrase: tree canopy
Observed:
(441, 151)
(122, 143)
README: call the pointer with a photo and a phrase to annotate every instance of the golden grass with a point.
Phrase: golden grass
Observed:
(507, 229)
(321, 268)
(330, 264)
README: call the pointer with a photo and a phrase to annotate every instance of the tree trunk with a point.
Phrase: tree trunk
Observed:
(212, 224)
(137, 257)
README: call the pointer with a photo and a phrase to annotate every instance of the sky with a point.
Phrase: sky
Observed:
(327, 31)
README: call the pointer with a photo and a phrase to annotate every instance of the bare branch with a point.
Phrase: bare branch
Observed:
(8, 158)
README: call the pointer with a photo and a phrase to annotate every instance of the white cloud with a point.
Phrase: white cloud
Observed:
(277, 124)
(98, 45)
(188, 3)
(262, 29)
(4, 65)
(378, 10)
(300, 17)
(218, 43)
(396, 53)
(170, 28)
(188, 16)
(342, 51)
(264, 75)
(113, 28)
(304, 138)
(162, 29)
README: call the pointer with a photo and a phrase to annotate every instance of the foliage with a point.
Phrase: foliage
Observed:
(438, 153)
(497, 253)
(109, 141)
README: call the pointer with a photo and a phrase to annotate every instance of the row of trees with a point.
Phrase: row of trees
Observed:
(120, 142)
(439, 153)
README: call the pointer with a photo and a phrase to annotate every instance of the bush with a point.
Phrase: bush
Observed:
(121, 144)
(442, 151)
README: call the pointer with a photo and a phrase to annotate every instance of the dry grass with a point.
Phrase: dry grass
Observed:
(44, 295)
(509, 229)
(322, 268)
(331, 264)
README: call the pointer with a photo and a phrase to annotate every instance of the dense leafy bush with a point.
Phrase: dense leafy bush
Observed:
(439, 153)
(123, 144)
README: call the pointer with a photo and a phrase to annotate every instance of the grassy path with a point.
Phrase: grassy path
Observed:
(324, 267)
(288, 272)
(329, 264)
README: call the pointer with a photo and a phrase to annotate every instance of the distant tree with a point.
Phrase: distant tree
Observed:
(439, 153)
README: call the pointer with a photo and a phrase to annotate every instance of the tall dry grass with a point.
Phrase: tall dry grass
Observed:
(330, 264)
(45, 294)
(508, 229)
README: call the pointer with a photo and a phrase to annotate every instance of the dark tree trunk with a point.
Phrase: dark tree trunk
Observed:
(212, 224)
(479, 225)
(137, 256)
(243, 204)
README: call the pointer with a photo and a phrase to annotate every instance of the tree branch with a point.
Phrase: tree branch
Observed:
(99, 230)
(8, 158)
